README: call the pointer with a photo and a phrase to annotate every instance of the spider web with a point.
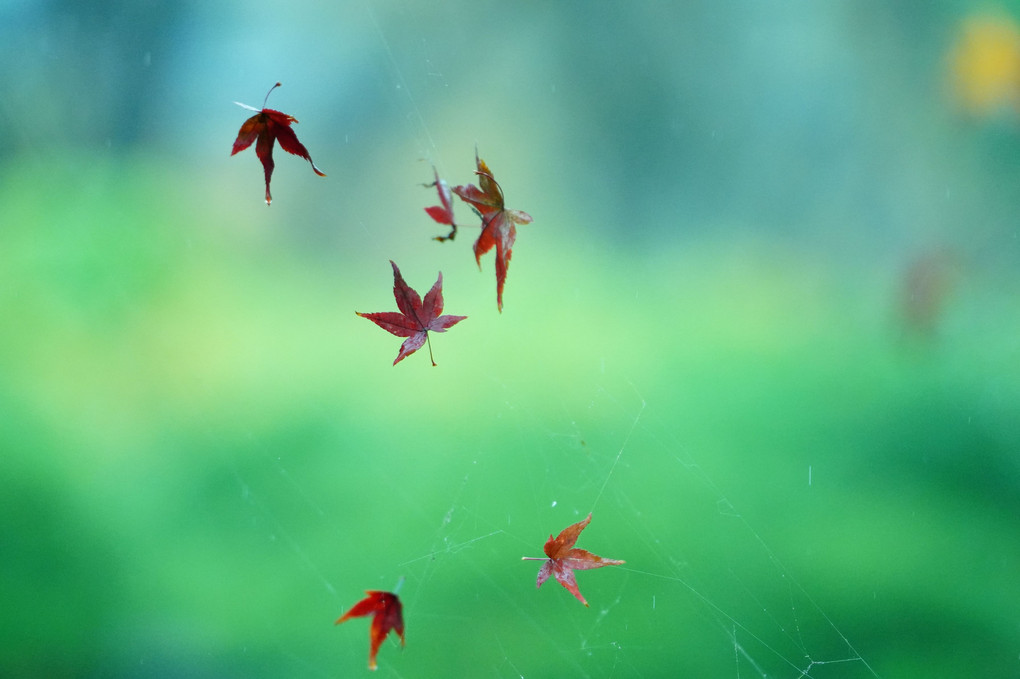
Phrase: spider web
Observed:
(689, 349)
(678, 598)
(450, 495)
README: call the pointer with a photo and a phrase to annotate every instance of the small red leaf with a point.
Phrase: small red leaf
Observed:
(442, 213)
(415, 318)
(387, 615)
(563, 559)
(265, 128)
(498, 228)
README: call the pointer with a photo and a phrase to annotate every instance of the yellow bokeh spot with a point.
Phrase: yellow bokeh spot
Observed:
(985, 64)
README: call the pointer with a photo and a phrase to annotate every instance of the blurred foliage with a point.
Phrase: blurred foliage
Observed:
(766, 325)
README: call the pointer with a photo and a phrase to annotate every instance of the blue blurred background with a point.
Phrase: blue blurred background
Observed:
(765, 326)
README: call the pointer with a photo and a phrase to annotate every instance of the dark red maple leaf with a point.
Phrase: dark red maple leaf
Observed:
(268, 126)
(442, 213)
(497, 222)
(563, 559)
(387, 615)
(415, 318)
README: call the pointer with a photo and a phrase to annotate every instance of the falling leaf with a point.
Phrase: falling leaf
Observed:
(442, 213)
(387, 614)
(415, 318)
(497, 222)
(268, 126)
(563, 559)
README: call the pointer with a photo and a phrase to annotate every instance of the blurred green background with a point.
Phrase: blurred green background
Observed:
(765, 326)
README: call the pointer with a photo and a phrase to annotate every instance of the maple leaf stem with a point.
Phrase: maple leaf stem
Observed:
(429, 342)
(400, 583)
(450, 236)
(534, 558)
(268, 93)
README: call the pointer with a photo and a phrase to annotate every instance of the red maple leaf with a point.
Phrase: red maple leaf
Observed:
(415, 318)
(563, 559)
(387, 615)
(268, 126)
(442, 213)
(497, 222)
